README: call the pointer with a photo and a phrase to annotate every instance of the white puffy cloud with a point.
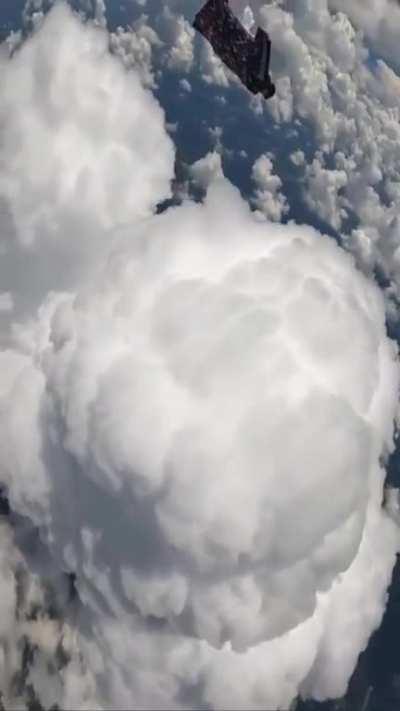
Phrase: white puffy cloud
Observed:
(179, 35)
(185, 85)
(379, 20)
(74, 127)
(225, 391)
(297, 157)
(135, 47)
(195, 420)
(268, 198)
(165, 40)
(205, 170)
(324, 191)
(213, 71)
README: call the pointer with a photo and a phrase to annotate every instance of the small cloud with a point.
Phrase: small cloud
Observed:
(185, 85)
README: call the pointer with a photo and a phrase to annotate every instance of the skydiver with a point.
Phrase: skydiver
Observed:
(246, 56)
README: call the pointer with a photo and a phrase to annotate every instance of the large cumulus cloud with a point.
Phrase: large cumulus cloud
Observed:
(74, 127)
(207, 422)
(196, 423)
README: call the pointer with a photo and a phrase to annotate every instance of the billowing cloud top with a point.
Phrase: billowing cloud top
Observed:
(75, 126)
(195, 422)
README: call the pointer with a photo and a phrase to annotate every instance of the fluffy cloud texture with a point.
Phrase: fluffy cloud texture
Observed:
(268, 198)
(74, 127)
(327, 77)
(336, 68)
(379, 20)
(194, 420)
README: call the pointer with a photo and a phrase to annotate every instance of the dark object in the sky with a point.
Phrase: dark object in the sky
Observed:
(247, 57)
(4, 505)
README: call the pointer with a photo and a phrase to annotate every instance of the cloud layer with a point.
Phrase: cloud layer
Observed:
(336, 69)
(194, 420)
(75, 126)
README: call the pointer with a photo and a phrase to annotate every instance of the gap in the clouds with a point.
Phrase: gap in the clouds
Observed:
(392, 478)
(18, 13)
(382, 654)
(122, 14)
(11, 13)
(375, 683)
(192, 136)
(126, 12)
(392, 324)
(393, 328)
(4, 503)
(242, 130)
(374, 59)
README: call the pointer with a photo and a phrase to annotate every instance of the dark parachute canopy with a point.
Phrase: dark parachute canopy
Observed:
(246, 56)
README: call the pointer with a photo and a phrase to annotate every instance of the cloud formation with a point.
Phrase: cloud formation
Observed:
(194, 419)
(74, 126)
(336, 69)
(268, 198)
